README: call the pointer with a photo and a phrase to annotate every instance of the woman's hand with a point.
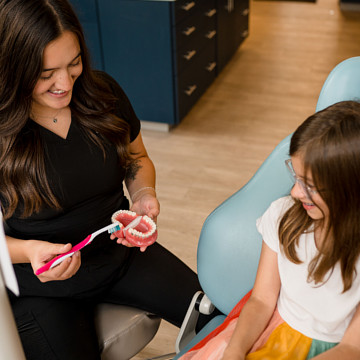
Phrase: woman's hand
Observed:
(146, 204)
(40, 252)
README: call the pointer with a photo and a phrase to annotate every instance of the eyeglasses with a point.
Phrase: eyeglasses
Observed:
(306, 188)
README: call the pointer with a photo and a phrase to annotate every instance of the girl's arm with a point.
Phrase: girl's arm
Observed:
(349, 347)
(260, 307)
(140, 181)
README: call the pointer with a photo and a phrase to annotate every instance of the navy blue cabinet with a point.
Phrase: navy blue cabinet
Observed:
(88, 15)
(232, 28)
(137, 44)
(163, 53)
(350, 5)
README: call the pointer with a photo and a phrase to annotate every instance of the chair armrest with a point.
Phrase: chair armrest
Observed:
(200, 303)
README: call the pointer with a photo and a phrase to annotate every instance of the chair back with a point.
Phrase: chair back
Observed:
(343, 83)
(229, 244)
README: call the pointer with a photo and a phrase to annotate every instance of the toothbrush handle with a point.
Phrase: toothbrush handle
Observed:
(60, 258)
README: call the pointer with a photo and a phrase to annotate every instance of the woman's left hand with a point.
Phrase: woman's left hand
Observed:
(148, 205)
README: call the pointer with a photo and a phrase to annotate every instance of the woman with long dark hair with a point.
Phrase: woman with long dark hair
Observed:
(69, 138)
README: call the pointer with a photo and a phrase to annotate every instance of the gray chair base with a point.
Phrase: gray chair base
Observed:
(123, 331)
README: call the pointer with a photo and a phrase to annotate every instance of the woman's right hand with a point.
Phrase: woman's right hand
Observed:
(40, 252)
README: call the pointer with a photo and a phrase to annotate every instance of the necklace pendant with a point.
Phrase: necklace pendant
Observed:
(55, 120)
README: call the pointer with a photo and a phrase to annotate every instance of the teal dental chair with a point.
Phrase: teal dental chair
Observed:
(227, 264)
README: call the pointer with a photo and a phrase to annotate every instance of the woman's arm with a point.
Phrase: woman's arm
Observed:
(18, 250)
(349, 347)
(37, 253)
(260, 307)
(140, 181)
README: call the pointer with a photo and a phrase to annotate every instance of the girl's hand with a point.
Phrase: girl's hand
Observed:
(229, 355)
(42, 251)
(232, 357)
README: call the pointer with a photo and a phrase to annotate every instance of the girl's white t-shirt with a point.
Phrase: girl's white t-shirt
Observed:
(322, 311)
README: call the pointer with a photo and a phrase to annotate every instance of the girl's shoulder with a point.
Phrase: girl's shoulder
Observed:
(268, 224)
(277, 209)
(280, 206)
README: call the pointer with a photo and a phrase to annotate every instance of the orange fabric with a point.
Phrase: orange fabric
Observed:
(274, 322)
(277, 342)
(284, 343)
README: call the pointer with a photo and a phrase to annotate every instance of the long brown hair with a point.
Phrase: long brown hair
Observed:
(329, 143)
(26, 28)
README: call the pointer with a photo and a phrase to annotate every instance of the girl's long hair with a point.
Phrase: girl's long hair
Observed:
(329, 144)
(26, 28)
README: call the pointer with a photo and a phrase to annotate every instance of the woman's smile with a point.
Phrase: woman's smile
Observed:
(58, 93)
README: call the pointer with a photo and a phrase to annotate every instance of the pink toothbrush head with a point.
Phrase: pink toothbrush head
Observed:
(137, 230)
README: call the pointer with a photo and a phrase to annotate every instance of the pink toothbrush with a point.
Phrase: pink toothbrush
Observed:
(60, 258)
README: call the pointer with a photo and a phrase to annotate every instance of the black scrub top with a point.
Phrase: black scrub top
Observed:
(89, 189)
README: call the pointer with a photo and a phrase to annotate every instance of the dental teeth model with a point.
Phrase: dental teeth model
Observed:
(137, 230)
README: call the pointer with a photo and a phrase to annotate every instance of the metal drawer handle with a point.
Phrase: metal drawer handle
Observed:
(211, 66)
(188, 6)
(211, 13)
(245, 12)
(189, 30)
(190, 54)
(230, 6)
(210, 34)
(190, 90)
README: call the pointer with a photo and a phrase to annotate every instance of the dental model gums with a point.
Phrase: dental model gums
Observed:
(137, 230)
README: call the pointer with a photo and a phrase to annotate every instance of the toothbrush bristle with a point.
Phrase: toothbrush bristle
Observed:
(113, 229)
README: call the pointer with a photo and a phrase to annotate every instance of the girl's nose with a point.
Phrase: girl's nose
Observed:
(298, 192)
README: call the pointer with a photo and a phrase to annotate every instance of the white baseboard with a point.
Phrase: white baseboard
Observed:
(155, 126)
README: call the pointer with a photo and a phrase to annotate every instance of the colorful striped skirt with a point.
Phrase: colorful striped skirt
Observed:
(278, 341)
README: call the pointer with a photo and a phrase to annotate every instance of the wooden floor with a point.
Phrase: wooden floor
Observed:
(270, 86)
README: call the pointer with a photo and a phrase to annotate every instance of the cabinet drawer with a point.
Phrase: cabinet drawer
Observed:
(195, 79)
(244, 19)
(203, 21)
(191, 51)
(184, 8)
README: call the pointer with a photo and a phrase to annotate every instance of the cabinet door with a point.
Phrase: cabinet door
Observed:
(86, 11)
(232, 26)
(242, 21)
(137, 46)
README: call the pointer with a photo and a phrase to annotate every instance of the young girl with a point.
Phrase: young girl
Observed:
(304, 304)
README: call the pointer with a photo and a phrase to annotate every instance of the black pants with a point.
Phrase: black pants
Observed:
(58, 328)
